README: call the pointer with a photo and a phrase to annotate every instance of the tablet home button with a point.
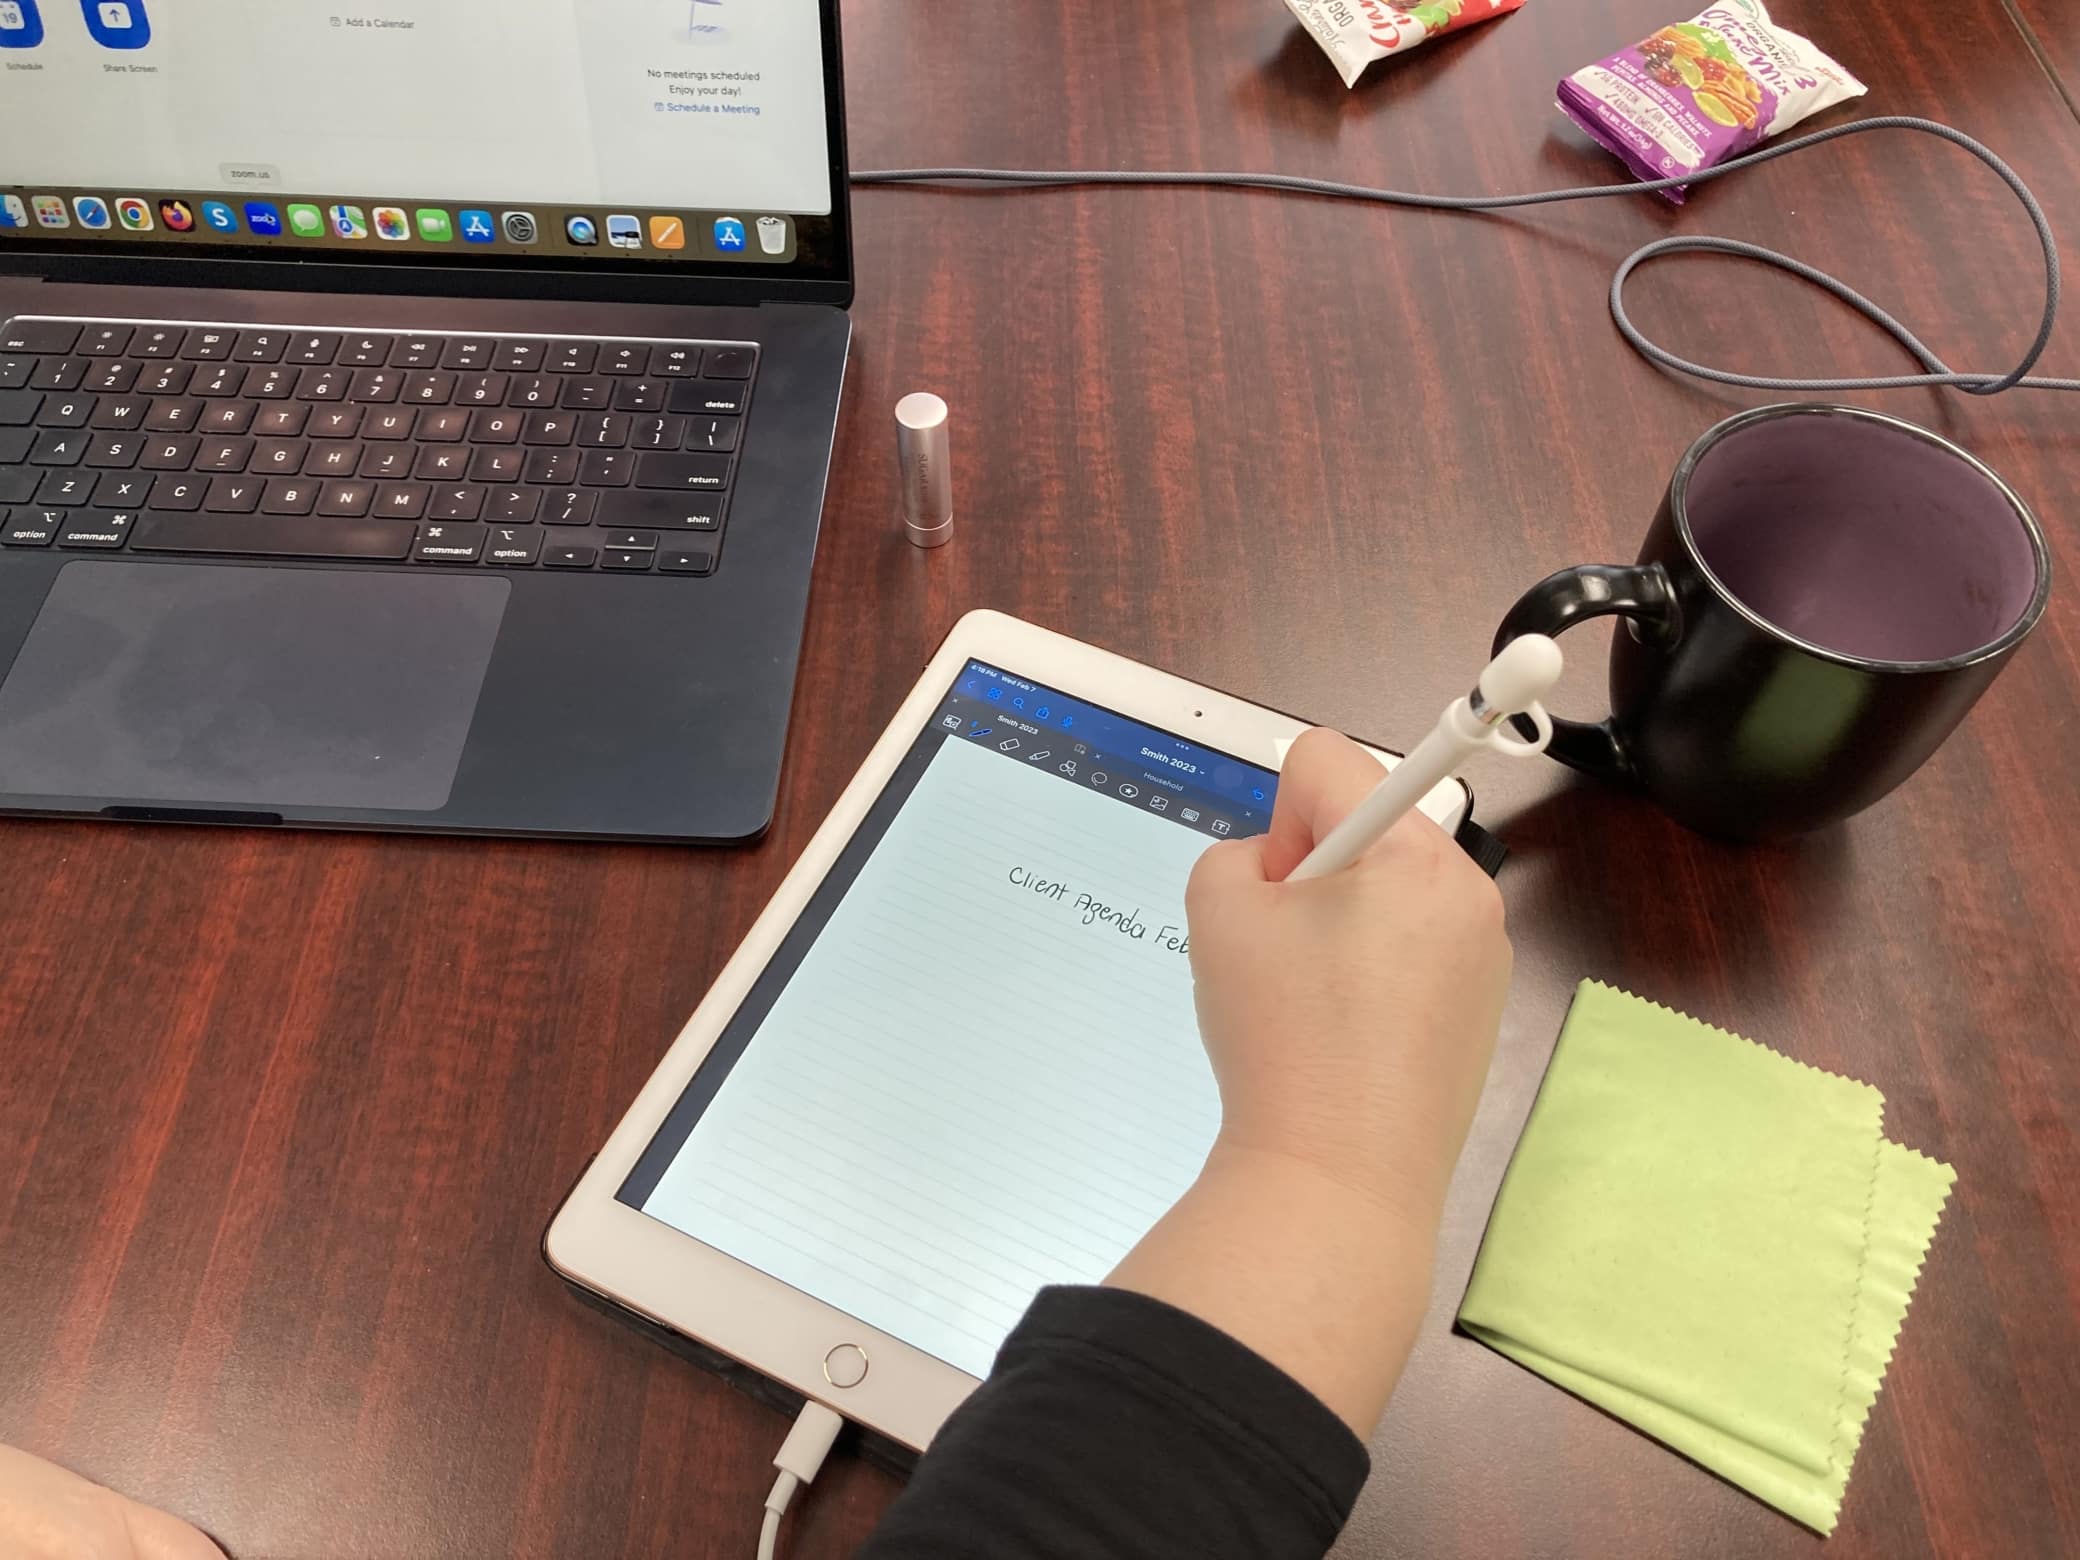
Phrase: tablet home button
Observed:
(845, 1366)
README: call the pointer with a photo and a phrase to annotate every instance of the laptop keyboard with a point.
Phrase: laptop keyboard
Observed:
(437, 448)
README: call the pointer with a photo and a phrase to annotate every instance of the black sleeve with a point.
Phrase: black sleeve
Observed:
(1116, 1425)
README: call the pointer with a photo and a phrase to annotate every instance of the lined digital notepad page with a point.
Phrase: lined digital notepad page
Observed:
(972, 1086)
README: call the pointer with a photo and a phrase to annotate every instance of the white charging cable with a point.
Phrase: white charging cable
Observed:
(800, 1455)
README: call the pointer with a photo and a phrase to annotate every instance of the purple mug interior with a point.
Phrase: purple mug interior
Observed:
(1862, 536)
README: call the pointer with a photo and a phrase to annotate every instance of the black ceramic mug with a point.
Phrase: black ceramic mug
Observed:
(1824, 593)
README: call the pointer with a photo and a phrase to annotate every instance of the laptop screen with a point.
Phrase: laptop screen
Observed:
(511, 133)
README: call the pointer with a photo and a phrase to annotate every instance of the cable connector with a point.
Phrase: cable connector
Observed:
(798, 1459)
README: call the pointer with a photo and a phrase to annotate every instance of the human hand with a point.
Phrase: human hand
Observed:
(1350, 1018)
(47, 1513)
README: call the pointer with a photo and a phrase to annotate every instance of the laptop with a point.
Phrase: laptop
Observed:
(414, 418)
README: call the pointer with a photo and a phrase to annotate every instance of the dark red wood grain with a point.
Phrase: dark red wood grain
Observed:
(2052, 29)
(282, 1117)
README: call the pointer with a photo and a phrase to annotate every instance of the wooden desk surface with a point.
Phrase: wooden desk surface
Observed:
(282, 1116)
(2052, 29)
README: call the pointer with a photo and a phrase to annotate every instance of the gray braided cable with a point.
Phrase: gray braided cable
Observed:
(1937, 372)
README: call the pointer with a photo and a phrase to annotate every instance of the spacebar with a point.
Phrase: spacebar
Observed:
(255, 537)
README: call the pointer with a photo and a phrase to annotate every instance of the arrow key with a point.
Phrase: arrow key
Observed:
(686, 560)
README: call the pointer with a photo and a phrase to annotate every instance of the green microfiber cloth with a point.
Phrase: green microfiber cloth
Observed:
(1711, 1241)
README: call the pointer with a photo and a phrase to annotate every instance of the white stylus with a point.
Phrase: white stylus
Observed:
(1513, 684)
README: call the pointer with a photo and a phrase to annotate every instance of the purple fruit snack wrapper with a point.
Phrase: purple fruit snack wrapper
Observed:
(1703, 91)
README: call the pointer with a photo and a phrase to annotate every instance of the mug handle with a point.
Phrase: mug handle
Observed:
(1644, 594)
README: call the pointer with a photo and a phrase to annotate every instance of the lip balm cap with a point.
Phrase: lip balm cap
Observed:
(920, 411)
(924, 457)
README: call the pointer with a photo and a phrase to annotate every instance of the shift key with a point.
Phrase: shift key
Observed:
(698, 472)
(659, 511)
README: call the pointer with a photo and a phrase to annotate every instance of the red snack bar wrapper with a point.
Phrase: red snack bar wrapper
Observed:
(1703, 91)
(1354, 33)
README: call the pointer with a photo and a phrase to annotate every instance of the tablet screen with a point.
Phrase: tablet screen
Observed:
(972, 1068)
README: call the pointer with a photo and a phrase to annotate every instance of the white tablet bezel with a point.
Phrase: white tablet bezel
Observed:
(643, 1264)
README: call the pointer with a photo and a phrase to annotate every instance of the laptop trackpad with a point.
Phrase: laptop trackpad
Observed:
(249, 687)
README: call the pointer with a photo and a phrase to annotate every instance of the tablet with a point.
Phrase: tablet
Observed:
(956, 1058)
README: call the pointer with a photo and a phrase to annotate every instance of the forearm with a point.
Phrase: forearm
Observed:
(1116, 1426)
(1326, 1279)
